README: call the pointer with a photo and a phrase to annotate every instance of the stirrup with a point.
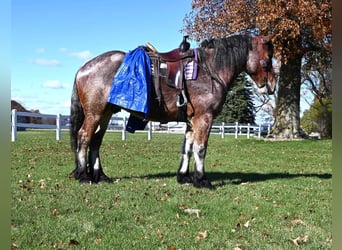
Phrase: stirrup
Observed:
(185, 100)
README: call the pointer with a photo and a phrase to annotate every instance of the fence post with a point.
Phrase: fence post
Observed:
(58, 127)
(259, 132)
(268, 129)
(248, 130)
(149, 133)
(236, 130)
(123, 132)
(14, 125)
(222, 131)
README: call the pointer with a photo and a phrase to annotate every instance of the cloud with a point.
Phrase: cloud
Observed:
(48, 101)
(40, 50)
(55, 84)
(82, 55)
(63, 50)
(47, 62)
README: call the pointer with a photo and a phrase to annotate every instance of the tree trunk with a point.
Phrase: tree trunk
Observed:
(287, 112)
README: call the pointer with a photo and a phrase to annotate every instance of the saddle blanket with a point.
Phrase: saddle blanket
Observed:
(132, 83)
(131, 86)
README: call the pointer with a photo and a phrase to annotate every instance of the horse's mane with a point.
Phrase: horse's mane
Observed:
(230, 51)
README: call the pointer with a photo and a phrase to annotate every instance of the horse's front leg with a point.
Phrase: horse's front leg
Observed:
(201, 135)
(200, 179)
(183, 175)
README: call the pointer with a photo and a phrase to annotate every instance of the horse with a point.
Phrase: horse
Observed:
(220, 61)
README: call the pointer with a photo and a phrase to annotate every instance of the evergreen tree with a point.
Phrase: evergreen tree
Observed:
(239, 106)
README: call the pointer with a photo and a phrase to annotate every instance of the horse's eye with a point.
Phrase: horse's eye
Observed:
(263, 63)
(266, 65)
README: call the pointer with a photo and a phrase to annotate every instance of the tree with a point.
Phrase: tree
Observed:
(299, 26)
(317, 79)
(319, 118)
(239, 106)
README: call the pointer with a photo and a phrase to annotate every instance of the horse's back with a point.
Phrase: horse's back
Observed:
(94, 79)
(103, 65)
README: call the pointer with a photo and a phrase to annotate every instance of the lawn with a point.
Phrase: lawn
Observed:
(269, 195)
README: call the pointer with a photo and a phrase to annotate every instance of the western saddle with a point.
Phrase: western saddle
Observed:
(171, 65)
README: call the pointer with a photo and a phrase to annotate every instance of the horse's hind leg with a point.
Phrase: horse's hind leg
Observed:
(95, 168)
(183, 175)
(83, 140)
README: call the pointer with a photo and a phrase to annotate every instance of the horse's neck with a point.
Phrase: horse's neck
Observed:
(224, 76)
(227, 77)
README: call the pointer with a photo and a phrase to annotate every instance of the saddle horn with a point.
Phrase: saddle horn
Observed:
(184, 45)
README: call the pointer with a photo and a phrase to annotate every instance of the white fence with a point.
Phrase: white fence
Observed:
(57, 126)
(239, 129)
(118, 124)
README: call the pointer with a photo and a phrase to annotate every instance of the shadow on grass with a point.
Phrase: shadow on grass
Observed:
(236, 178)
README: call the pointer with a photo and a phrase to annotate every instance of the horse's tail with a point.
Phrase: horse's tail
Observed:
(76, 117)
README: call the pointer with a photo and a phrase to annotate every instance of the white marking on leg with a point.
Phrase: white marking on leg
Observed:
(185, 164)
(82, 158)
(97, 164)
(199, 155)
(97, 129)
(187, 153)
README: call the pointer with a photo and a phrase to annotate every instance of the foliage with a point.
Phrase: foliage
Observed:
(299, 27)
(270, 195)
(318, 118)
(239, 106)
(317, 81)
(309, 20)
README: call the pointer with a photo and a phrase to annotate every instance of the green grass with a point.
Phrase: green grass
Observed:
(268, 194)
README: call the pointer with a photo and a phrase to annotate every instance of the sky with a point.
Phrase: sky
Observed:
(51, 40)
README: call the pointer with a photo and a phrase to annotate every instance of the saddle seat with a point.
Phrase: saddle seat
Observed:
(174, 55)
(172, 66)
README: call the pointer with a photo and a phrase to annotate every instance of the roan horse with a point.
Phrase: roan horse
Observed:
(219, 63)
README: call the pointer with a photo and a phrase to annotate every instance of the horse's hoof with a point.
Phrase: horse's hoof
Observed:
(184, 179)
(204, 183)
(104, 178)
(85, 180)
(99, 176)
(82, 178)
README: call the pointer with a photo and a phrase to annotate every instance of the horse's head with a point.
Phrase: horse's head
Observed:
(259, 64)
